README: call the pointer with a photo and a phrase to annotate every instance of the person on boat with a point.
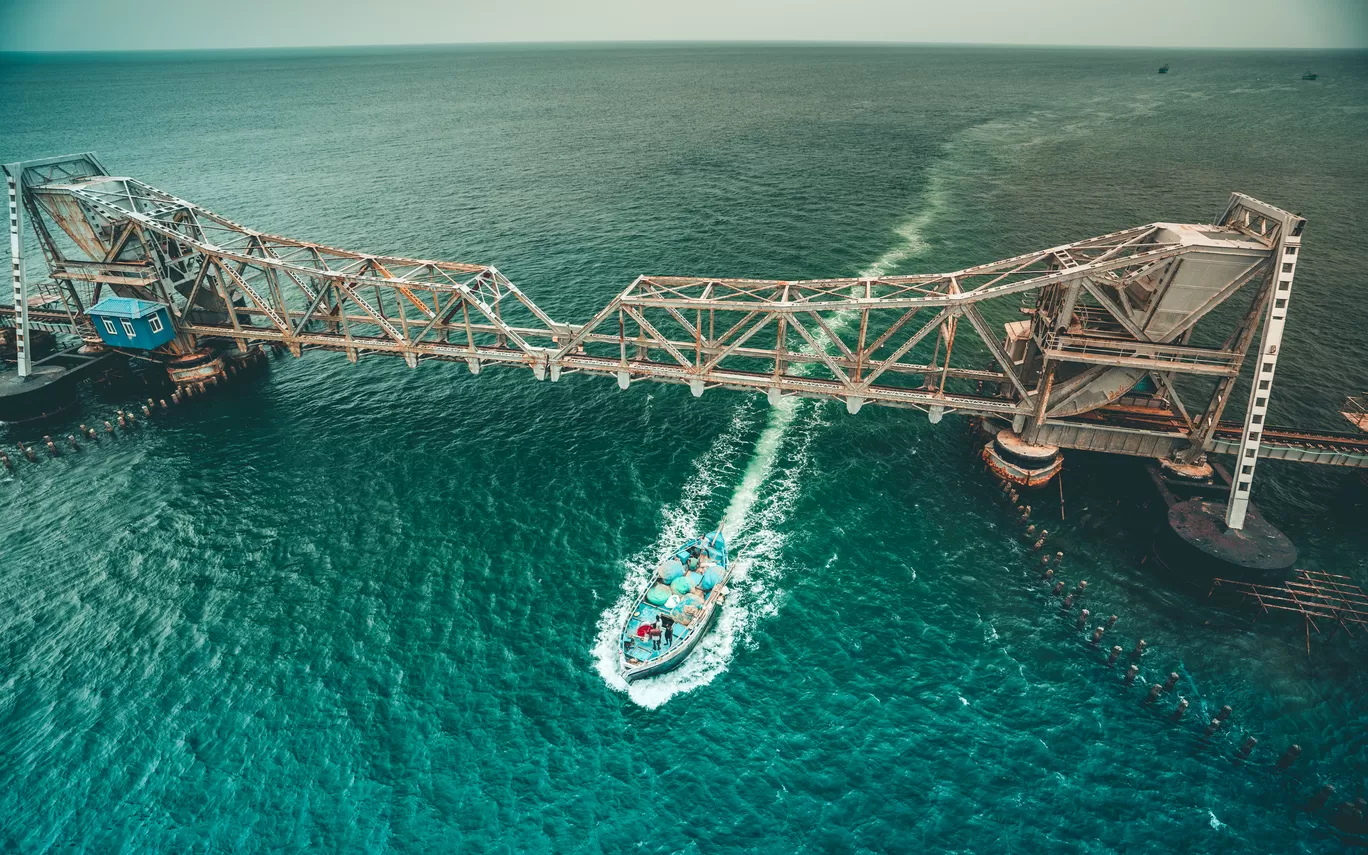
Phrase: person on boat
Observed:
(667, 624)
(693, 558)
(655, 633)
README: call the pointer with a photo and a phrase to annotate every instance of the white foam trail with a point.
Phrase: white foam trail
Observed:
(912, 231)
(680, 522)
(760, 465)
(752, 521)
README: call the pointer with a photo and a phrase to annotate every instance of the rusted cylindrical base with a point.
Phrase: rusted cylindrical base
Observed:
(1186, 471)
(1013, 459)
(202, 366)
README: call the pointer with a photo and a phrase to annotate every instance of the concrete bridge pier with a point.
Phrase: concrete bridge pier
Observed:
(1194, 540)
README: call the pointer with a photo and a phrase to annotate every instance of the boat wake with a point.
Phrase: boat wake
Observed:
(755, 518)
(753, 521)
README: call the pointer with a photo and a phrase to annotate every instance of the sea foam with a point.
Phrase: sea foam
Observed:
(754, 518)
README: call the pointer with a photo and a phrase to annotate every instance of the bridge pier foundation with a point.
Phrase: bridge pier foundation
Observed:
(1194, 541)
(192, 369)
(1194, 544)
(1201, 470)
(1013, 459)
(49, 392)
(240, 359)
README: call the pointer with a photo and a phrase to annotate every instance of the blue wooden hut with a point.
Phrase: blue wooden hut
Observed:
(126, 322)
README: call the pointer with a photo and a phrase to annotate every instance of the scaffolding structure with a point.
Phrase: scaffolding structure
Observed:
(1310, 593)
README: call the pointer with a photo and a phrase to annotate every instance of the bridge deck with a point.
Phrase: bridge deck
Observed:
(1111, 310)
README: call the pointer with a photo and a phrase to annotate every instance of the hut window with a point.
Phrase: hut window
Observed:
(154, 323)
(109, 327)
(128, 329)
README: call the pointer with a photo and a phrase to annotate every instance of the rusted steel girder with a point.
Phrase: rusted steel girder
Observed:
(1099, 315)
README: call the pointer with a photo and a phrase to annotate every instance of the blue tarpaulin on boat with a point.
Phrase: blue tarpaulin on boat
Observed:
(712, 577)
(673, 570)
(658, 595)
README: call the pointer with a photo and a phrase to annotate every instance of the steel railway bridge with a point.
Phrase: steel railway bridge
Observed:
(1130, 343)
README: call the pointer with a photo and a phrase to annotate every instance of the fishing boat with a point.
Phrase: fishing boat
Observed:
(1310, 75)
(676, 607)
(1163, 69)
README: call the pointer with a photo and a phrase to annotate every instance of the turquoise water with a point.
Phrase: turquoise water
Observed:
(367, 608)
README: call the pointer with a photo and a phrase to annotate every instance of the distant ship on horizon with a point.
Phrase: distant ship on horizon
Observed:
(1310, 75)
(1163, 69)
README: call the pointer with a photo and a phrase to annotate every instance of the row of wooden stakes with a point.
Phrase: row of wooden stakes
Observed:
(1348, 818)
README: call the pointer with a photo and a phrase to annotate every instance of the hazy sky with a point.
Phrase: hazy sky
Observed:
(148, 24)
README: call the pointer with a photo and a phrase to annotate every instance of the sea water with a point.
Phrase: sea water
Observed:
(368, 608)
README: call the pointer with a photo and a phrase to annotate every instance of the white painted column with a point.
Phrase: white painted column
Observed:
(23, 347)
(1286, 254)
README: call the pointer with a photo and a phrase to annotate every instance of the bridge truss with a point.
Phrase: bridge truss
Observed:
(1046, 340)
